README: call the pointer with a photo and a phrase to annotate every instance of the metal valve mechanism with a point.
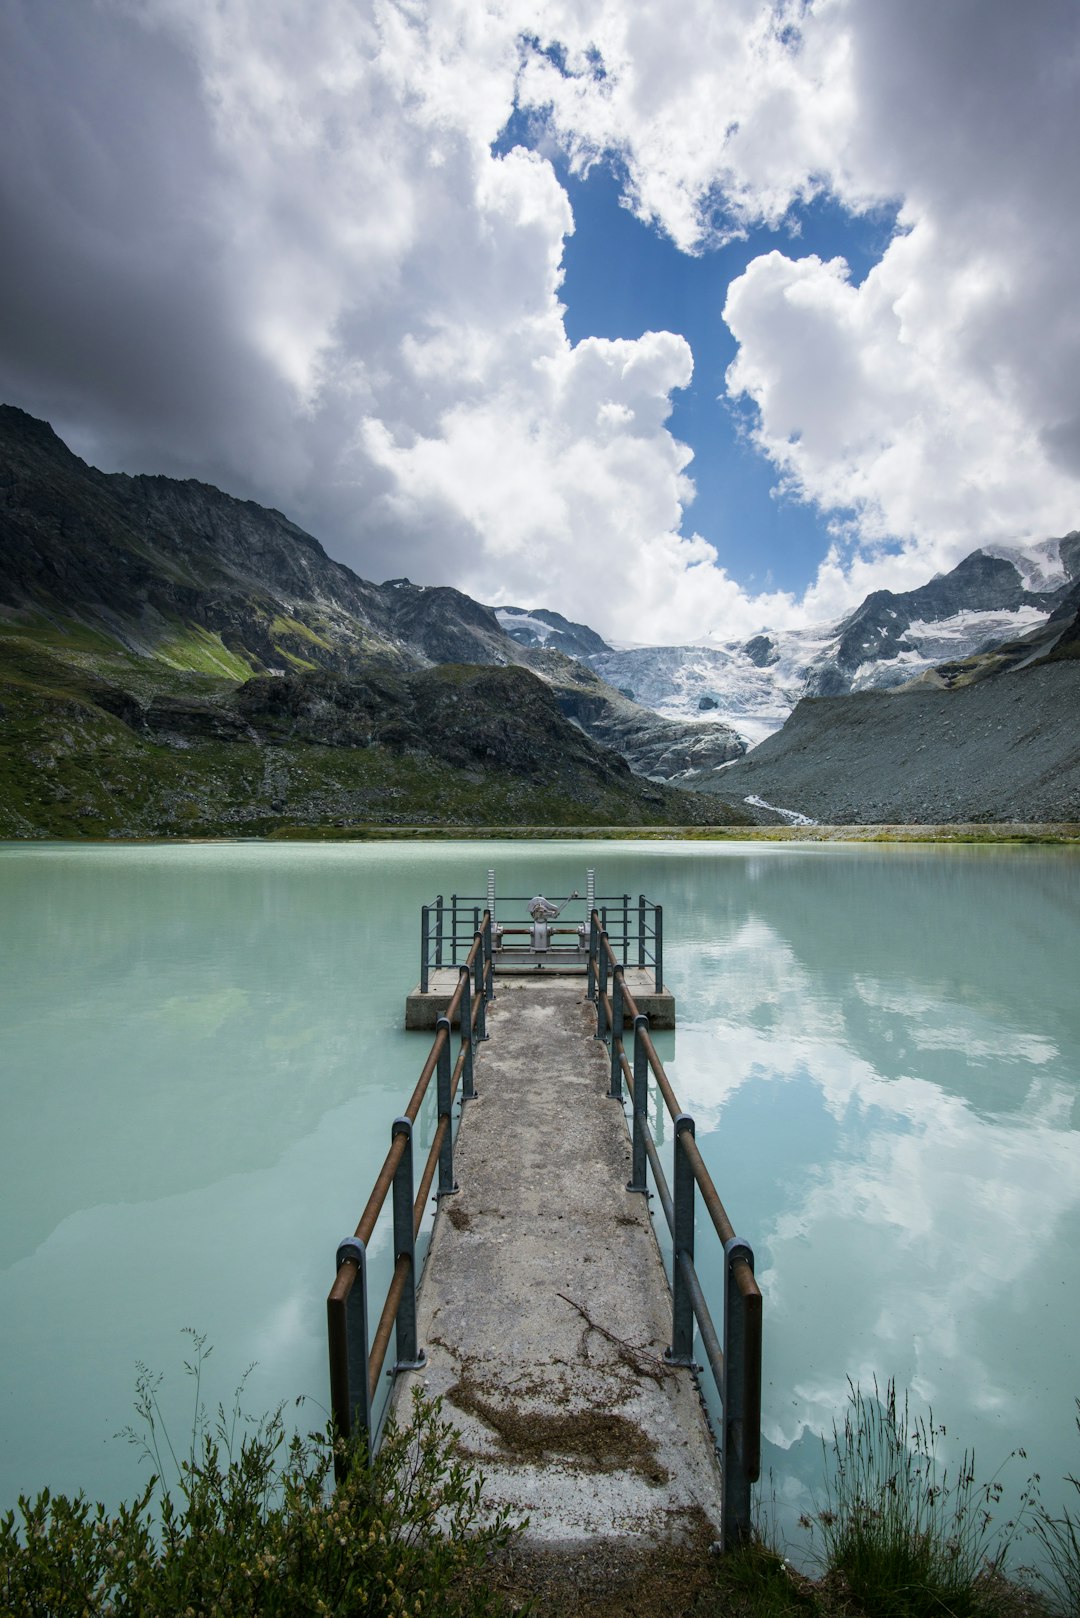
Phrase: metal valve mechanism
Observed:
(544, 912)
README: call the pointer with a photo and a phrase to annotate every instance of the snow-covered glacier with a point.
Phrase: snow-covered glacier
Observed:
(753, 685)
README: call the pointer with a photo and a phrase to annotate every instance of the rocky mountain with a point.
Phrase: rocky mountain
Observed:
(988, 737)
(1000, 748)
(537, 627)
(993, 595)
(173, 658)
(183, 573)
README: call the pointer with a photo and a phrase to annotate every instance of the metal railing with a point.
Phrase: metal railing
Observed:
(736, 1361)
(354, 1369)
(635, 927)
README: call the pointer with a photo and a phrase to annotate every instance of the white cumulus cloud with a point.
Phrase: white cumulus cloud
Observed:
(277, 250)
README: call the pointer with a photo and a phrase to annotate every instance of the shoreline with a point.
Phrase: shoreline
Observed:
(1052, 833)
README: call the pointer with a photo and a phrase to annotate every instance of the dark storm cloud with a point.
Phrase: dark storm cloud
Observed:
(115, 314)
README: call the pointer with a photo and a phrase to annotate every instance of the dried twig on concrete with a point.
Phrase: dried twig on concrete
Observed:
(640, 1359)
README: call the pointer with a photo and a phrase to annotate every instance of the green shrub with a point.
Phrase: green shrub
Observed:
(253, 1527)
(909, 1541)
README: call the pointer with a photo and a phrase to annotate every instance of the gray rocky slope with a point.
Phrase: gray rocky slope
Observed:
(1002, 749)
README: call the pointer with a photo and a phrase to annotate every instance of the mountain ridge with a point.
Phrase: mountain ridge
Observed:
(175, 659)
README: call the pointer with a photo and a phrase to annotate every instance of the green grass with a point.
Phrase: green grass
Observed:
(1059, 1538)
(203, 652)
(908, 1540)
(282, 627)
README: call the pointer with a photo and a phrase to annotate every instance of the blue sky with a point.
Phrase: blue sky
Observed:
(304, 255)
(624, 277)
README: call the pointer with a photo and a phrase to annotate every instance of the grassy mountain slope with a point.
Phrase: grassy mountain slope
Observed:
(99, 741)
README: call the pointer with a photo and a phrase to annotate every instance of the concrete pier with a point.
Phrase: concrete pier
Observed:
(423, 1008)
(544, 1307)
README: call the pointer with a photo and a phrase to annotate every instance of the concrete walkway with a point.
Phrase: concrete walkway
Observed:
(544, 1308)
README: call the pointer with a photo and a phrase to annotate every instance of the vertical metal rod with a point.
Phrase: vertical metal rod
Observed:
(453, 928)
(659, 915)
(641, 930)
(615, 1087)
(409, 1354)
(447, 1183)
(639, 1172)
(489, 970)
(681, 1351)
(626, 929)
(347, 1324)
(438, 929)
(467, 1090)
(478, 990)
(601, 988)
(590, 986)
(736, 1395)
(425, 911)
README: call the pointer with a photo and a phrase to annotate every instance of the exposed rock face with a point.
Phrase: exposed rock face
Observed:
(663, 749)
(760, 651)
(876, 631)
(539, 628)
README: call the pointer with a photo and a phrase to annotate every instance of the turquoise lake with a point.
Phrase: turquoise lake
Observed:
(203, 1052)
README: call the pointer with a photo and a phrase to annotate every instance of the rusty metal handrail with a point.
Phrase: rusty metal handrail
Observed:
(354, 1369)
(736, 1363)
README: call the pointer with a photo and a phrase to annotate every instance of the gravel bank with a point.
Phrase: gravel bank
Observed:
(1007, 749)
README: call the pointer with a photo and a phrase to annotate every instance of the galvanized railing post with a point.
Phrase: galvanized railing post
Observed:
(447, 1183)
(409, 1355)
(438, 929)
(641, 930)
(638, 1180)
(626, 929)
(489, 971)
(681, 1351)
(739, 1378)
(590, 985)
(479, 990)
(467, 1090)
(615, 1087)
(350, 1393)
(602, 986)
(453, 927)
(425, 912)
(658, 913)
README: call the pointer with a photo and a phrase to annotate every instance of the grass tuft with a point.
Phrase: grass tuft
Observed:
(908, 1540)
(1060, 1541)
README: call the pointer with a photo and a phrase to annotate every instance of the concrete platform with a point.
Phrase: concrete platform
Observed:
(544, 1307)
(422, 1011)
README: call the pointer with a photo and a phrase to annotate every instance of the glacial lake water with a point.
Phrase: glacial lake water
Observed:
(202, 1053)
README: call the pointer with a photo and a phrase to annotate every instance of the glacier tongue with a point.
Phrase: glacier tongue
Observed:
(755, 698)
